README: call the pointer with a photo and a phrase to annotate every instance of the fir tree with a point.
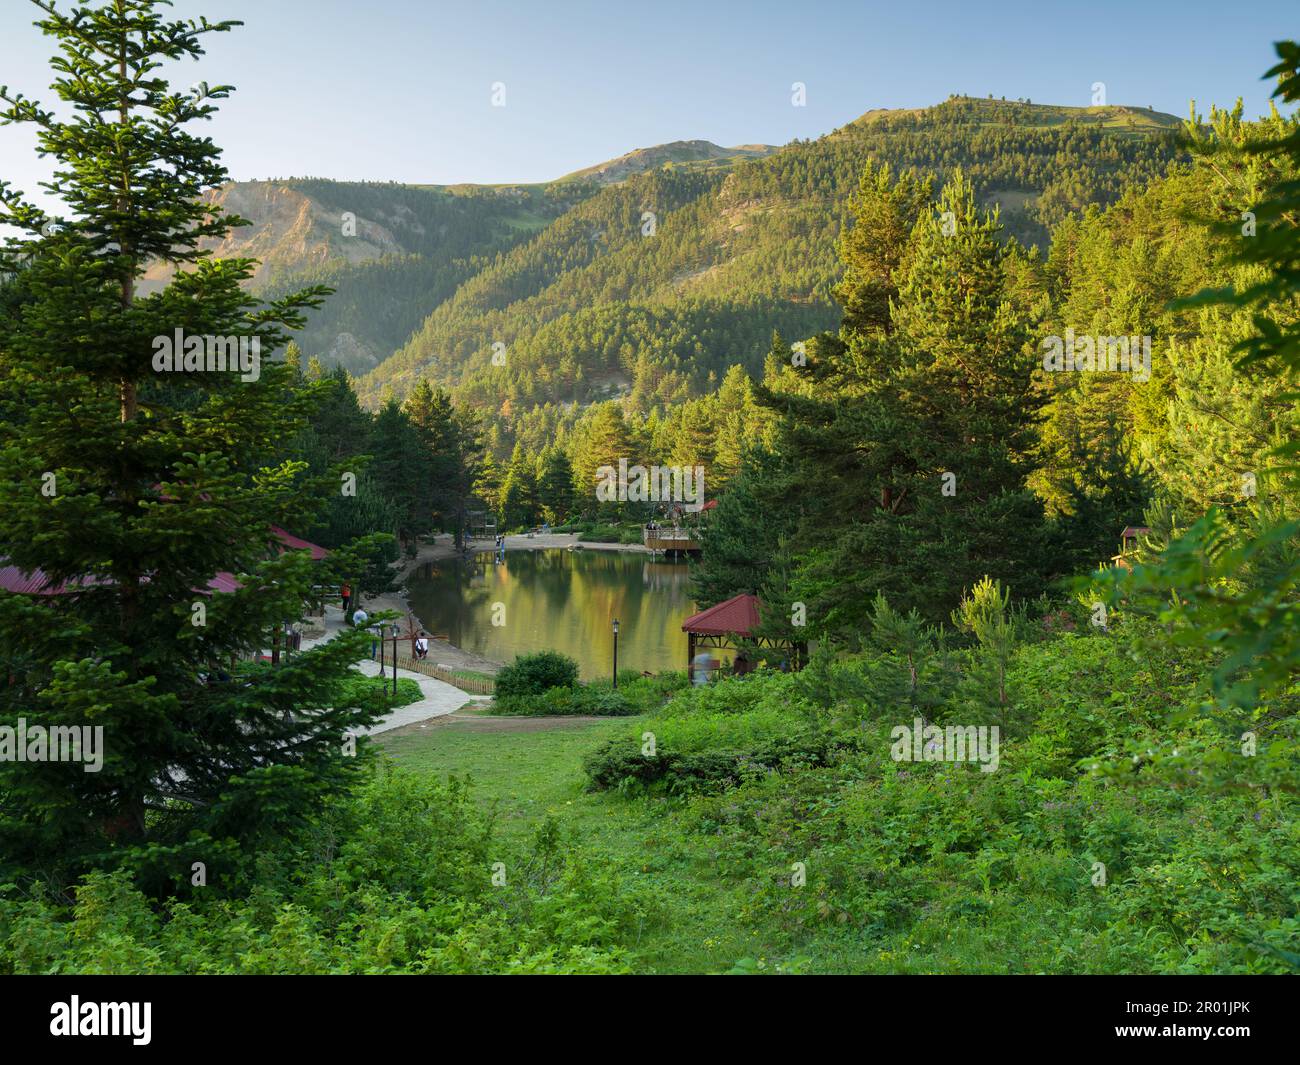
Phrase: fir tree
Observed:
(132, 487)
(555, 486)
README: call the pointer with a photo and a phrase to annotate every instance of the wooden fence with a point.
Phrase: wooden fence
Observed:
(474, 685)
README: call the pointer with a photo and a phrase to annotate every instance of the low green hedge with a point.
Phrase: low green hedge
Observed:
(360, 690)
(620, 763)
(566, 702)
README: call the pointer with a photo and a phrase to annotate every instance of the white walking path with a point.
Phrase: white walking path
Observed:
(438, 700)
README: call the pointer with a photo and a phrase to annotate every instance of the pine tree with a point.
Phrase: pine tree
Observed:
(519, 504)
(742, 534)
(873, 249)
(432, 416)
(488, 483)
(735, 416)
(400, 466)
(470, 462)
(909, 441)
(555, 486)
(133, 486)
(601, 440)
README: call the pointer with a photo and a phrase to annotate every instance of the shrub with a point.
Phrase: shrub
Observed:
(620, 762)
(396, 883)
(535, 673)
(601, 534)
(560, 702)
(360, 690)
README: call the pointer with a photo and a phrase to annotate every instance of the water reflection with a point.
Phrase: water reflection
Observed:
(560, 600)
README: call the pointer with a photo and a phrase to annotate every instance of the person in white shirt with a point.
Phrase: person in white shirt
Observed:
(359, 619)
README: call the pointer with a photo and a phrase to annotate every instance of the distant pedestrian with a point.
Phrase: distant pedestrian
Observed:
(705, 665)
(421, 646)
(359, 619)
(347, 598)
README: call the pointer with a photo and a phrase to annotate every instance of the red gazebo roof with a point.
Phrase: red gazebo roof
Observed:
(738, 616)
(297, 543)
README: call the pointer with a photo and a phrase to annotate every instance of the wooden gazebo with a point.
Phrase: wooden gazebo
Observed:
(1129, 542)
(731, 621)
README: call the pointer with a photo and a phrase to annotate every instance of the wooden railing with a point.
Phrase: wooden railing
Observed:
(474, 685)
(670, 539)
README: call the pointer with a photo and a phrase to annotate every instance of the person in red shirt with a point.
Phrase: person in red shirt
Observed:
(347, 598)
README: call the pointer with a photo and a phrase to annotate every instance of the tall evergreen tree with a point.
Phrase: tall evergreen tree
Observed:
(602, 439)
(873, 249)
(131, 486)
(555, 486)
(400, 465)
(912, 439)
(519, 502)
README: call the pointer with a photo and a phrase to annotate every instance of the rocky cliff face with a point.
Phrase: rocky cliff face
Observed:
(289, 231)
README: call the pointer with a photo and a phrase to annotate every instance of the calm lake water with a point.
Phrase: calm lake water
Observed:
(560, 601)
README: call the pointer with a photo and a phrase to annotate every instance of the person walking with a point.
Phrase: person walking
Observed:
(705, 666)
(347, 597)
(421, 646)
(359, 619)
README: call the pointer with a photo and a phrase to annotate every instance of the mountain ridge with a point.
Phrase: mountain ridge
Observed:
(428, 277)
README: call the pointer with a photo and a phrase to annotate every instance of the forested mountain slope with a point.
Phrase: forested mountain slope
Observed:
(656, 285)
(392, 252)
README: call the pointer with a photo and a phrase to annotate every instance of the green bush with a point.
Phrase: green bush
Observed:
(717, 736)
(646, 694)
(533, 674)
(620, 763)
(601, 534)
(360, 690)
(561, 702)
(400, 880)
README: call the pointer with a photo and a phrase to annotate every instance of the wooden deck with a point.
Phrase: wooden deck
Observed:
(670, 540)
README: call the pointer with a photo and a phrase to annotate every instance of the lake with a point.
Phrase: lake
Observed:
(560, 600)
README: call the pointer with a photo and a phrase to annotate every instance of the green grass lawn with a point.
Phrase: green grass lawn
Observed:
(379, 690)
(530, 774)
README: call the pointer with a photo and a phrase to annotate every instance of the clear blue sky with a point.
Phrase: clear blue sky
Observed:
(400, 89)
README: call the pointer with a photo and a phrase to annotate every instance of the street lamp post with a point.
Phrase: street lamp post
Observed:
(395, 631)
(616, 653)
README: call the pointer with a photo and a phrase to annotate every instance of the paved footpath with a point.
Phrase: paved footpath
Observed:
(439, 699)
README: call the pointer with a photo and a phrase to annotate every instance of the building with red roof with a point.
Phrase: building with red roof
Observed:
(734, 623)
(37, 582)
